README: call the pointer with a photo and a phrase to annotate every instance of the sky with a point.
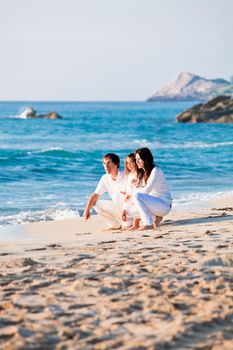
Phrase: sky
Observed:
(109, 50)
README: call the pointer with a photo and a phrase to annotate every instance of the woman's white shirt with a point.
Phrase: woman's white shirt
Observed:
(156, 186)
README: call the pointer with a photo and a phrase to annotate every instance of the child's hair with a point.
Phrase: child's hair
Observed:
(132, 157)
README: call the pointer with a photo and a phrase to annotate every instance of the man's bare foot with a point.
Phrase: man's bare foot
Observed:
(158, 219)
(125, 228)
(147, 227)
(112, 228)
(133, 228)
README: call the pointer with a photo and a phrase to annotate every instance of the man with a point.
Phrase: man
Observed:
(114, 183)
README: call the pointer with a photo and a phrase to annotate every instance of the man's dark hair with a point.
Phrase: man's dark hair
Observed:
(114, 158)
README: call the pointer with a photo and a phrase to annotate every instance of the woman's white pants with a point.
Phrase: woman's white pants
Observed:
(145, 207)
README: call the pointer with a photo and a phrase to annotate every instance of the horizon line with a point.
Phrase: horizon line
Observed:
(94, 101)
(99, 101)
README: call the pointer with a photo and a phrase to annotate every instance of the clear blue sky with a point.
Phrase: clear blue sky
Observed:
(109, 49)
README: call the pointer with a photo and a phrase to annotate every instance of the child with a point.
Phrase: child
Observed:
(132, 171)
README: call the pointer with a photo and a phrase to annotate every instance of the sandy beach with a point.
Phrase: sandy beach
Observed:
(69, 285)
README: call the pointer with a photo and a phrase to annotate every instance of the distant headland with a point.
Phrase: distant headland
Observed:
(191, 87)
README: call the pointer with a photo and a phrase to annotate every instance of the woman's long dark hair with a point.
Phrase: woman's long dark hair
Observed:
(146, 155)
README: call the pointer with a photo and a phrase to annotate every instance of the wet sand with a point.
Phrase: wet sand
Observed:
(69, 285)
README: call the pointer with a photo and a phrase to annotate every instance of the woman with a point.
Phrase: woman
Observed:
(151, 199)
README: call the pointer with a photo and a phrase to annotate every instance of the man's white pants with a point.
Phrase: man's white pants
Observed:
(112, 210)
(146, 207)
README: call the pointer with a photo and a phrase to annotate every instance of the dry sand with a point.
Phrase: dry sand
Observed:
(68, 285)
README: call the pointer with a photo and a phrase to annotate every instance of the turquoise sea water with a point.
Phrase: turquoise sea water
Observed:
(48, 168)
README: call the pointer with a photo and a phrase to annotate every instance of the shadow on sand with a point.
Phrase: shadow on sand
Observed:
(200, 220)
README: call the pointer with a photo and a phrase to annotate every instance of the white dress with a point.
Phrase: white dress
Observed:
(130, 186)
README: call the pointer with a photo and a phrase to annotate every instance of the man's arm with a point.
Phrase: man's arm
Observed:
(91, 202)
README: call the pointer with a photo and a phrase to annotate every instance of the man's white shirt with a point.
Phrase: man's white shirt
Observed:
(112, 187)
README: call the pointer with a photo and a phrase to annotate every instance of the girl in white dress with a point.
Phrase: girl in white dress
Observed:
(132, 171)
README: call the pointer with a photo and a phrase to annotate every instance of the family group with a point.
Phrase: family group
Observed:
(139, 195)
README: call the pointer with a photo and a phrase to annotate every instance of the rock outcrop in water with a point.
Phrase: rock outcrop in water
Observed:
(31, 113)
(216, 110)
(190, 87)
(28, 113)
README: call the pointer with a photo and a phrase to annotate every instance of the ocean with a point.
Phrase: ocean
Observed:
(48, 168)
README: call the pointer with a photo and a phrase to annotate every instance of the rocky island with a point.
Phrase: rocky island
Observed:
(191, 87)
(216, 110)
(31, 113)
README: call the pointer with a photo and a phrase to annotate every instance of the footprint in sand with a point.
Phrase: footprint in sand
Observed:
(54, 245)
(35, 249)
(34, 301)
(222, 246)
(209, 233)
(220, 261)
(83, 233)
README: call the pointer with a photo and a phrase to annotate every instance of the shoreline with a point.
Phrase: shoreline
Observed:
(22, 218)
(23, 231)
